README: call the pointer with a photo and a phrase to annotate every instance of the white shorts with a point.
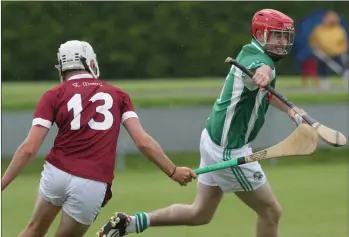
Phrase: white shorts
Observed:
(247, 177)
(80, 198)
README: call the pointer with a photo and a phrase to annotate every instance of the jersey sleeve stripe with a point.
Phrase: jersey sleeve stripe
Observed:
(255, 65)
(127, 115)
(43, 122)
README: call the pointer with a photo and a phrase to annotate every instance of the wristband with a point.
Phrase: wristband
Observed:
(174, 171)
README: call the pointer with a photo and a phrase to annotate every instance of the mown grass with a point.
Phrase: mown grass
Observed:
(313, 192)
(170, 92)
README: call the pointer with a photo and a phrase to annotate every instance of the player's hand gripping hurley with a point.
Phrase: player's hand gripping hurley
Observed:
(302, 141)
(328, 135)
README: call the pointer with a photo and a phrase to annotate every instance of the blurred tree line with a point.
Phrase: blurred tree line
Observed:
(136, 39)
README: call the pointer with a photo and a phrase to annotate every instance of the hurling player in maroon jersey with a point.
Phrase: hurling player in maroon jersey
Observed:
(78, 170)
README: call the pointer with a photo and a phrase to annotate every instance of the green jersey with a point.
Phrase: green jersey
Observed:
(238, 113)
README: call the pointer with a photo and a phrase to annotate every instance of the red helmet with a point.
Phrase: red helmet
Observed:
(277, 31)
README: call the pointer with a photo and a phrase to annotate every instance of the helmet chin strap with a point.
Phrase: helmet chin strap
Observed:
(87, 68)
(275, 57)
(265, 38)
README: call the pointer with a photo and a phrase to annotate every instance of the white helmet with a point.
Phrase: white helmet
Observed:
(75, 54)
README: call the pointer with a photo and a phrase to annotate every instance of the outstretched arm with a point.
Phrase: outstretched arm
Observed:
(284, 108)
(151, 148)
(148, 146)
(153, 151)
(24, 154)
(274, 101)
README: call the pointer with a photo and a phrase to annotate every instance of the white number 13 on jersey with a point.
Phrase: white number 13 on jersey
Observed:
(75, 104)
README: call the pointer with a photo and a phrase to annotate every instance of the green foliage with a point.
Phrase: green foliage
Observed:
(135, 39)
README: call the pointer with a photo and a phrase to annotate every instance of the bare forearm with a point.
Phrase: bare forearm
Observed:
(279, 104)
(20, 160)
(154, 152)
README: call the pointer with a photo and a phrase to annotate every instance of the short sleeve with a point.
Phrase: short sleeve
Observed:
(44, 112)
(252, 63)
(127, 108)
(255, 61)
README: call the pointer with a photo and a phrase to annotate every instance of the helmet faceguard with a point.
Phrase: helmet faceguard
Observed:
(77, 55)
(274, 31)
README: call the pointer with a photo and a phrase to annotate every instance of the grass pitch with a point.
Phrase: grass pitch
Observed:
(171, 92)
(312, 190)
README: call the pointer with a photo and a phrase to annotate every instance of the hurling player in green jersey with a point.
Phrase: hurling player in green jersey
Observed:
(236, 118)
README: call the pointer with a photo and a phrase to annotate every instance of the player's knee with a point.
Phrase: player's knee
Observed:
(201, 216)
(204, 220)
(272, 212)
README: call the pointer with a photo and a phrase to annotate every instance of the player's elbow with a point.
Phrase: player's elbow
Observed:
(144, 142)
(28, 150)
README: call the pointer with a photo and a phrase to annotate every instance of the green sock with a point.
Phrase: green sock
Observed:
(142, 221)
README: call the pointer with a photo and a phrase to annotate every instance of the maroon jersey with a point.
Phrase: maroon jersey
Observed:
(88, 113)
